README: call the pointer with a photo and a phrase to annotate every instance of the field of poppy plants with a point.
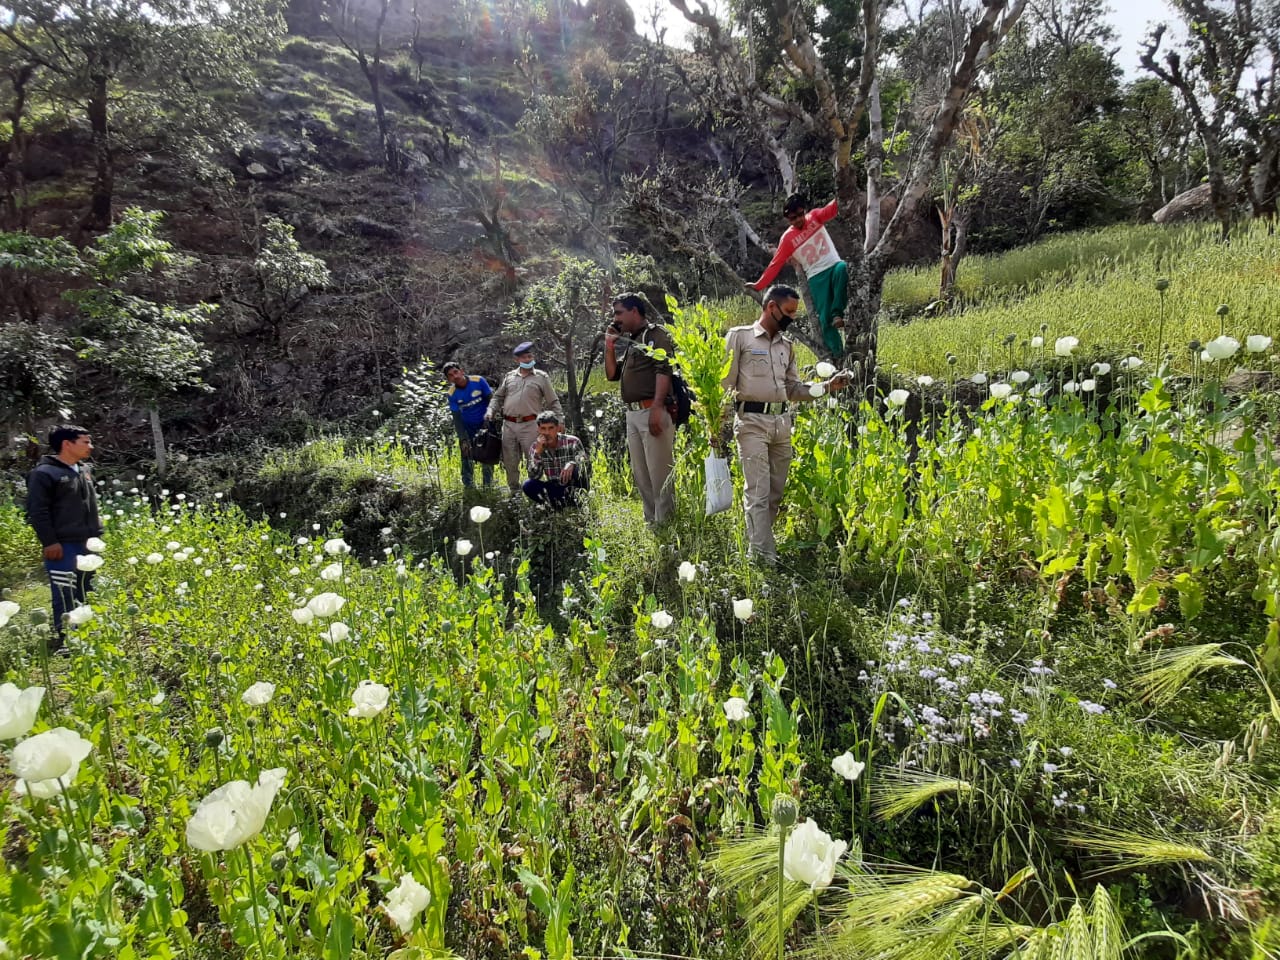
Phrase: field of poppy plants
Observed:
(1011, 693)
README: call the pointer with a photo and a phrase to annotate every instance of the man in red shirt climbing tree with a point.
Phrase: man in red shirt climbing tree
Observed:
(808, 242)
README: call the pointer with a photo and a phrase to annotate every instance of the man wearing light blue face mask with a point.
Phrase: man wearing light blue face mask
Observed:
(524, 393)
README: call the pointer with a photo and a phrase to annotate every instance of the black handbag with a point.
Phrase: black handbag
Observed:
(486, 445)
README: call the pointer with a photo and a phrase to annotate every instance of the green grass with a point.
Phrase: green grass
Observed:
(1112, 305)
(1051, 262)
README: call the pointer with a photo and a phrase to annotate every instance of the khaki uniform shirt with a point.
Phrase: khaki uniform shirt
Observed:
(762, 370)
(639, 369)
(521, 396)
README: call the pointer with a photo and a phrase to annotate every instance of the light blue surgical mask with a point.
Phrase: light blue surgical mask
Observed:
(528, 364)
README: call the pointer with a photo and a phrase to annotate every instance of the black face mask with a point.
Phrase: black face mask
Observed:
(784, 320)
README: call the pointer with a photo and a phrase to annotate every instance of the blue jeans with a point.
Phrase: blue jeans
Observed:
(469, 465)
(67, 585)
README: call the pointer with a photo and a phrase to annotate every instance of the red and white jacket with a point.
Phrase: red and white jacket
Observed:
(810, 245)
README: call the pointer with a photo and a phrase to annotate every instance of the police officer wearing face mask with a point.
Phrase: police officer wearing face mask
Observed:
(524, 393)
(765, 383)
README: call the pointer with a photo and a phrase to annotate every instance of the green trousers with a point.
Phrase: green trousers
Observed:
(830, 291)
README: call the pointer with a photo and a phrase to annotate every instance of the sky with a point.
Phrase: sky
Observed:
(1130, 18)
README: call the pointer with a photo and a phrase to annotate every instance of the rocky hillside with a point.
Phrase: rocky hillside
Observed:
(518, 142)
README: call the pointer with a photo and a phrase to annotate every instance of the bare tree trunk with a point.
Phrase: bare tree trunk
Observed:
(11, 164)
(1264, 182)
(875, 168)
(865, 288)
(99, 214)
(372, 70)
(955, 237)
(573, 411)
(157, 437)
(1219, 191)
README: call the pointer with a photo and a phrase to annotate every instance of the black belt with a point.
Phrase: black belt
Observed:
(752, 406)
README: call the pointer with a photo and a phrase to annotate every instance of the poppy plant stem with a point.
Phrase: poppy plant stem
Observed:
(74, 821)
(782, 853)
(253, 901)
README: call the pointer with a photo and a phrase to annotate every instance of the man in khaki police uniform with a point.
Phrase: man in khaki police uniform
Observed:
(523, 394)
(645, 380)
(765, 383)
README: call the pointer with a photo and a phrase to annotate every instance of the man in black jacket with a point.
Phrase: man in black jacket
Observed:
(62, 508)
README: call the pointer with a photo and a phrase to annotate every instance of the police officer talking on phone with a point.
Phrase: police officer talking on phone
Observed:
(644, 371)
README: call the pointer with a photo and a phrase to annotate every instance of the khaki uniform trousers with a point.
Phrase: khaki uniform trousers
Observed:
(517, 441)
(764, 447)
(651, 461)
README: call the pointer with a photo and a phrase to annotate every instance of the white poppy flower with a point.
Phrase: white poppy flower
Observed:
(1221, 348)
(1130, 363)
(89, 562)
(1037, 342)
(47, 763)
(332, 572)
(370, 699)
(302, 615)
(825, 370)
(154, 558)
(9, 608)
(18, 709)
(846, 766)
(234, 813)
(80, 615)
(1065, 346)
(1101, 369)
(1256, 343)
(336, 547)
(925, 380)
(979, 378)
(816, 390)
(1070, 387)
(480, 513)
(337, 632)
(405, 902)
(1019, 377)
(897, 398)
(1001, 391)
(661, 619)
(463, 547)
(810, 856)
(735, 708)
(744, 608)
(95, 545)
(258, 694)
(1088, 386)
(325, 604)
(687, 572)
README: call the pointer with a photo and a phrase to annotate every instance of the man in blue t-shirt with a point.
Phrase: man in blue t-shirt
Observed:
(468, 401)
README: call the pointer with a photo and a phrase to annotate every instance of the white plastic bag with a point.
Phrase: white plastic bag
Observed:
(719, 485)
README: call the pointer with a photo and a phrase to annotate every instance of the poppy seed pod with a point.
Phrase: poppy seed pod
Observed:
(1162, 284)
(213, 738)
(785, 810)
(1223, 309)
